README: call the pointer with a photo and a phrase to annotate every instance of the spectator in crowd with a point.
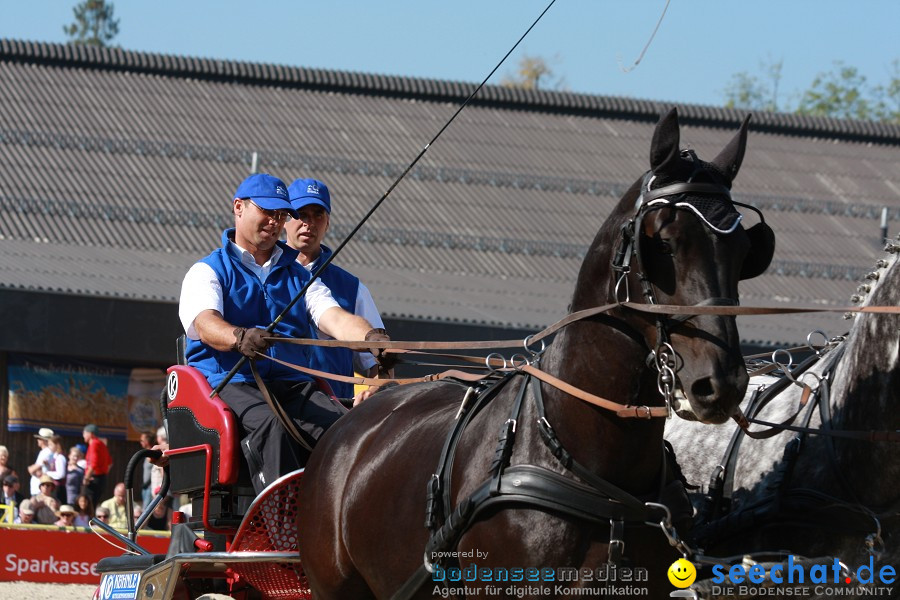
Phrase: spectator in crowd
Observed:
(26, 513)
(5, 469)
(118, 516)
(146, 482)
(160, 517)
(43, 459)
(44, 503)
(75, 475)
(84, 508)
(156, 475)
(57, 467)
(102, 514)
(66, 514)
(11, 494)
(98, 462)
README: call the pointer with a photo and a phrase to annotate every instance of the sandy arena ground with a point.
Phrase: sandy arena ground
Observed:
(45, 591)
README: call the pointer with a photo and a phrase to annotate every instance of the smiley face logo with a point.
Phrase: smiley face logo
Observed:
(682, 573)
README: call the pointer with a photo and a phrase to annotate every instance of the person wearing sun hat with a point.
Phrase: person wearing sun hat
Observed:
(44, 503)
(42, 462)
(66, 514)
(230, 297)
(25, 513)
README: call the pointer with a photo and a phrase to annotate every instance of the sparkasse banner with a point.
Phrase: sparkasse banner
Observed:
(60, 555)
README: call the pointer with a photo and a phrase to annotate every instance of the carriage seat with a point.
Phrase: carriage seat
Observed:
(204, 441)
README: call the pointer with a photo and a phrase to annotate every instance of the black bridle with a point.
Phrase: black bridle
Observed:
(628, 251)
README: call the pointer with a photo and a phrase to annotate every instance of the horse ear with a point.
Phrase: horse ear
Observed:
(664, 147)
(729, 159)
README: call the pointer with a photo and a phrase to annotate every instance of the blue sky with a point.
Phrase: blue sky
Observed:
(700, 45)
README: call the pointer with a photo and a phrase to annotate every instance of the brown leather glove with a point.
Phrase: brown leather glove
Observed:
(249, 341)
(385, 361)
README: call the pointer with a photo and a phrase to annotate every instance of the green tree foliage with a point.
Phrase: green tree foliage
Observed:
(533, 73)
(842, 93)
(94, 24)
(754, 93)
(887, 97)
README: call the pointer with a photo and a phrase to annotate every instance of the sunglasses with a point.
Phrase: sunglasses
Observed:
(277, 215)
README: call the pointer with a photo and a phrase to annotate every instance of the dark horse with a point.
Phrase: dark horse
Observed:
(532, 476)
(815, 495)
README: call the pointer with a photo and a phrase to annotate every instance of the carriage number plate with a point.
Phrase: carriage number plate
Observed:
(119, 586)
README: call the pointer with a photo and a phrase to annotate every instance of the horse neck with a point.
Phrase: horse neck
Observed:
(866, 389)
(604, 356)
(596, 358)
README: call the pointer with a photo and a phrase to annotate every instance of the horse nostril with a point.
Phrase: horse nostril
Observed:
(702, 388)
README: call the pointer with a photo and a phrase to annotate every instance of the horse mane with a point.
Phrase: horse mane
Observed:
(603, 246)
(873, 285)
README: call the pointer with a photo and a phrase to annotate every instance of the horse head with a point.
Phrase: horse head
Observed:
(676, 238)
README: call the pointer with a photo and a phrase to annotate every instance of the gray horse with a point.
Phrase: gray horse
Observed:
(813, 494)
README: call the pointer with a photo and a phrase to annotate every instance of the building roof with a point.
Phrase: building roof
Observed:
(118, 168)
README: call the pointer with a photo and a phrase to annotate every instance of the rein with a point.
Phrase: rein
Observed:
(621, 410)
(682, 312)
(708, 307)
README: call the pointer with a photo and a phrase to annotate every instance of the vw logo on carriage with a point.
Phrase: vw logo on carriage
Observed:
(172, 385)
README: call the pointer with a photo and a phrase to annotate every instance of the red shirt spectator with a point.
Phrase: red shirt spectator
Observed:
(98, 462)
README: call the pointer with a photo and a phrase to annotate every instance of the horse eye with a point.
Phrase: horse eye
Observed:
(665, 247)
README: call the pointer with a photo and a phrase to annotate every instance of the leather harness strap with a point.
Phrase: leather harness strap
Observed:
(666, 309)
(276, 407)
(624, 411)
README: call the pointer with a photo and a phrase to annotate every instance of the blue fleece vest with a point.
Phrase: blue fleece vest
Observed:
(344, 287)
(250, 303)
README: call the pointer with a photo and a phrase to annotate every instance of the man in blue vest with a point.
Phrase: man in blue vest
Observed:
(227, 301)
(312, 201)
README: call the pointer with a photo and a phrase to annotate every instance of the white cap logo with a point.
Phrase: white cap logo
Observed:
(312, 189)
(280, 191)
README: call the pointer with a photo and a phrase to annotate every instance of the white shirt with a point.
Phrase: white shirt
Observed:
(365, 308)
(43, 459)
(201, 290)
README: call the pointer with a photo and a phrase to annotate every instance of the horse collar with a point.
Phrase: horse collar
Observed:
(592, 498)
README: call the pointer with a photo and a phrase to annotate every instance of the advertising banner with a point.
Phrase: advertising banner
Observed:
(65, 396)
(45, 554)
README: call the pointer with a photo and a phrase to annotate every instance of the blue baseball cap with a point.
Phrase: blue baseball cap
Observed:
(266, 192)
(304, 192)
